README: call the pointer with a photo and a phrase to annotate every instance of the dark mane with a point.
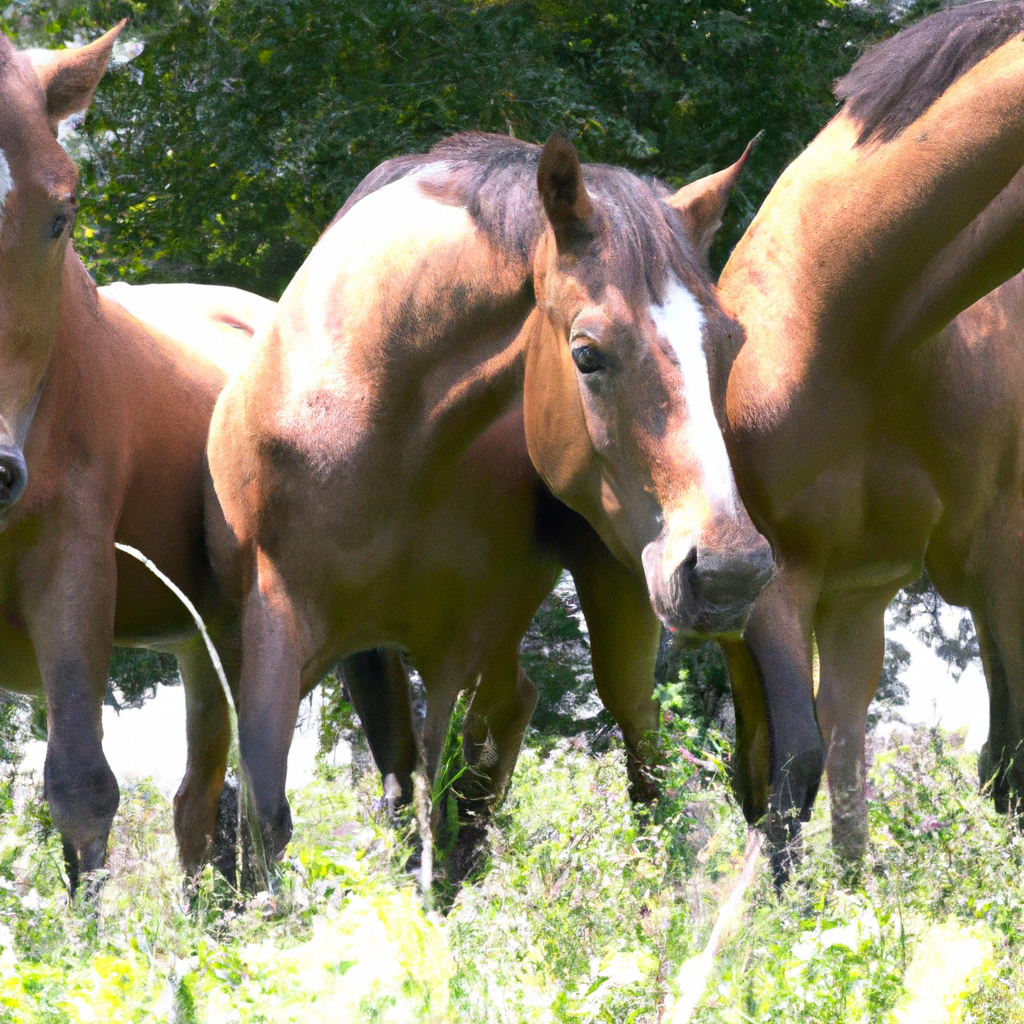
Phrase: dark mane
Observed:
(495, 178)
(647, 234)
(489, 174)
(895, 82)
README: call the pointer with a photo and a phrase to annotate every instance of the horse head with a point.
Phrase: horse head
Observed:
(37, 213)
(620, 418)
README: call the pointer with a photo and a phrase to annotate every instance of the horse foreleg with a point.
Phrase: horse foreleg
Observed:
(624, 636)
(208, 731)
(989, 581)
(751, 761)
(997, 753)
(851, 649)
(268, 704)
(378, 686)
(503, 699)
(501, 703)
(778, 639)
(442, 683)
(71, 625)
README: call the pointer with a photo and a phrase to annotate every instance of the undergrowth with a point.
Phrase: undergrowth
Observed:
(583, 911)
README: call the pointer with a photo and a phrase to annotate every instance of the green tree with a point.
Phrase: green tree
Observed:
(225, 147)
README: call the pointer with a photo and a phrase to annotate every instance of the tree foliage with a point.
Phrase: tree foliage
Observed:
(920, 607)
(222, 150)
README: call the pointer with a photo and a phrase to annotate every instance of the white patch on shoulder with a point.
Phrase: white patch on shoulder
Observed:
(680, 321)
(380, 247)
(6, 183)
(396, 222)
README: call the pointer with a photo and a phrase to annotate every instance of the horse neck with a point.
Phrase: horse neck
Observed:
(863, 250)
(410, 323)
(472, 378)
(99, 348)
(81, 333)
(47, 341)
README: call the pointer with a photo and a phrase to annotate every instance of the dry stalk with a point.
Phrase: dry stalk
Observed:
(245, 803)
(694, 973)
(421, 798)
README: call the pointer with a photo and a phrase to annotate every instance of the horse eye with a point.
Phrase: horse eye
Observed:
(60, 222)
(588, 359)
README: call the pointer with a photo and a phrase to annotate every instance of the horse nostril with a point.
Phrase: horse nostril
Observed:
(689, 563)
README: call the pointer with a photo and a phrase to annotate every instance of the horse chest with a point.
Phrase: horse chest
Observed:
(869, 513)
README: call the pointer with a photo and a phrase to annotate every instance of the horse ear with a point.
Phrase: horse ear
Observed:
(560, 183)
(69, 77)
(702, 202)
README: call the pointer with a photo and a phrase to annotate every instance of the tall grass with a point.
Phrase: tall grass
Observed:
(583, 911)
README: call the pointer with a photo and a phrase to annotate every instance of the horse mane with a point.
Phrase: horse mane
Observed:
(895, 82)
(495, 178)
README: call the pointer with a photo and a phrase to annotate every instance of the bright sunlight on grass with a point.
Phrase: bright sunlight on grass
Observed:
(583, 911)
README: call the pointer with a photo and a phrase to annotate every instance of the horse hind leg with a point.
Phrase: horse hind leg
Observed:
(199, 799)
(378, 687)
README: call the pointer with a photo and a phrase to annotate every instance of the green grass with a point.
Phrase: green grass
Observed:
(583, 912)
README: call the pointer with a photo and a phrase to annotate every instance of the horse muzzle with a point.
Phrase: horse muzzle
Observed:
(710, 593)
(13, 476)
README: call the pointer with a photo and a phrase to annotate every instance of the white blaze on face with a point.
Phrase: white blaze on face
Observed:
(6, 184)
(680, 321)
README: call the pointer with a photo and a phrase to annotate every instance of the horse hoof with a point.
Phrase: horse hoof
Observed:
(785, 846)
(224, 848)
(391, 800)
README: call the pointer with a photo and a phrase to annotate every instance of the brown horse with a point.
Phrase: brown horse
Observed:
(103, 425)
(858, 440)
(362, 456)
(972, 379)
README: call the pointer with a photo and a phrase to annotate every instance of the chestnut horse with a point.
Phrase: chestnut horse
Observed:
(103, 425)
(361, 456)
(859, 441)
